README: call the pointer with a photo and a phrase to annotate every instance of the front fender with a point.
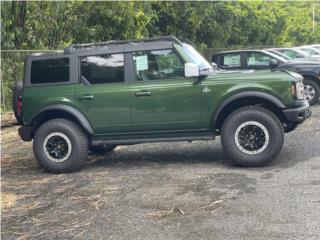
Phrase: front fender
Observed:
(262, 95)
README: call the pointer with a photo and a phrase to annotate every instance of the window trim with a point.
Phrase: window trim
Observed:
(134, 76)
(104, 53)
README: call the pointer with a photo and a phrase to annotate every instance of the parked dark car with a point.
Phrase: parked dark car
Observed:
(263, 59)
(297, 53)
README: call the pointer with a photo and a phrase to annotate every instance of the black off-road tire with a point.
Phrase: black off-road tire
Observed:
(16, 92)
(100, 150)
(258, 115)
(79, 145)
(316, 87)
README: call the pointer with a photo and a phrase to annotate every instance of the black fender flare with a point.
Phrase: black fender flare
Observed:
(72, 111)
(266, 96)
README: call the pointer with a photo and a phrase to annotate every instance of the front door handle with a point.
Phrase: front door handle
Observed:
(142, 94)
(86, 97)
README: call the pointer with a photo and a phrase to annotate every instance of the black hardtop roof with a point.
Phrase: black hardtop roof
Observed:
(113, 46)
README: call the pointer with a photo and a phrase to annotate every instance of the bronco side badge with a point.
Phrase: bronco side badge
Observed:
(206, 89)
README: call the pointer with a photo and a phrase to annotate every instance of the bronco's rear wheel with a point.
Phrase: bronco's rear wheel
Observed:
(252, 136)
(60, 145)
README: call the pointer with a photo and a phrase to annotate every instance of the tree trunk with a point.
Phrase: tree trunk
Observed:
(21, 18)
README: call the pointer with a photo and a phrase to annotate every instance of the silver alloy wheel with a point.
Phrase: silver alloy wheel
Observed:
(57, 147)
(309, 92)
(251, 138)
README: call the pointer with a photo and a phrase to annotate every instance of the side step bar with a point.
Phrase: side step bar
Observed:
(99, 142)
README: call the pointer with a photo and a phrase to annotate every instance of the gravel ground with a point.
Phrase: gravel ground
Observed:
(165, 191)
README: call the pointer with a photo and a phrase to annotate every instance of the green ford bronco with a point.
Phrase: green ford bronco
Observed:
(93, 97)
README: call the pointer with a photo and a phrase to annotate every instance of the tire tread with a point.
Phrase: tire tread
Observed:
(228, 148)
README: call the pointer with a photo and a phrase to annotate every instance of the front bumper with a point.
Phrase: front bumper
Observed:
(25, 133)
(299, 114)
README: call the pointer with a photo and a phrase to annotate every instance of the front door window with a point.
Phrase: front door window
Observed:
(158, 65)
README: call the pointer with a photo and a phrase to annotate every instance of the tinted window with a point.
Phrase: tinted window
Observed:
(258, 60)
(232, 60)
(291, 54)
(157, 65)
(280, 54)
(50, 71)
(106, 68)
(310, 51)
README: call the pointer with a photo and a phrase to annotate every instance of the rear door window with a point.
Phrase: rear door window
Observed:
(50, 71)
(102, 69)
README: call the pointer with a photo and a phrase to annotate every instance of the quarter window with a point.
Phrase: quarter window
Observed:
(157, 65)
(50, 71)
(100, 69)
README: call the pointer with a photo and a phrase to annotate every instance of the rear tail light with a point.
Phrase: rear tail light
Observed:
(19, 105)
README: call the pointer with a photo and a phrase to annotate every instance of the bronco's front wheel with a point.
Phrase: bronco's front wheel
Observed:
(60, 145)
(252, 136)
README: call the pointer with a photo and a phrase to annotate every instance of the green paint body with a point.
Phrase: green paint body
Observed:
(173, 106)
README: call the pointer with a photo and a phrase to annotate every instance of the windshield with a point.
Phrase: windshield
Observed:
(196, 57)
(311, 51)
(279, 58)
(302, 52)
(294, 52)
(279, 54)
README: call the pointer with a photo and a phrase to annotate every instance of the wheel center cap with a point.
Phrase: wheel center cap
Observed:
(251, 137)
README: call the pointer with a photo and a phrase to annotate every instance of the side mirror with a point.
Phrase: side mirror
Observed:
(274, 63)
(214, 65)
(191, 70)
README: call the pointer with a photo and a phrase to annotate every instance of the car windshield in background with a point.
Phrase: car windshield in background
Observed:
(311, 51)
(279, 58)
(279, 54)
(197, 58)
(294, 52)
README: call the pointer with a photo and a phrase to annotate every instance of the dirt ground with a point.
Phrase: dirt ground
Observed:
(165, 191)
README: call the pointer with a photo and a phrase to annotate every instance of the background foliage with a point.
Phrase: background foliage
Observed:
(54, 25)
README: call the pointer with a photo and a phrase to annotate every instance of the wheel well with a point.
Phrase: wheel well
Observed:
(313, 78)
(53, 114)
(246, 101)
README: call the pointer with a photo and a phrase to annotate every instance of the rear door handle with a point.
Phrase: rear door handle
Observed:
(86, 97)
(143, 94)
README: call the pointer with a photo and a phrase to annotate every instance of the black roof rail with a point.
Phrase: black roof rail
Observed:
(74, 47)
